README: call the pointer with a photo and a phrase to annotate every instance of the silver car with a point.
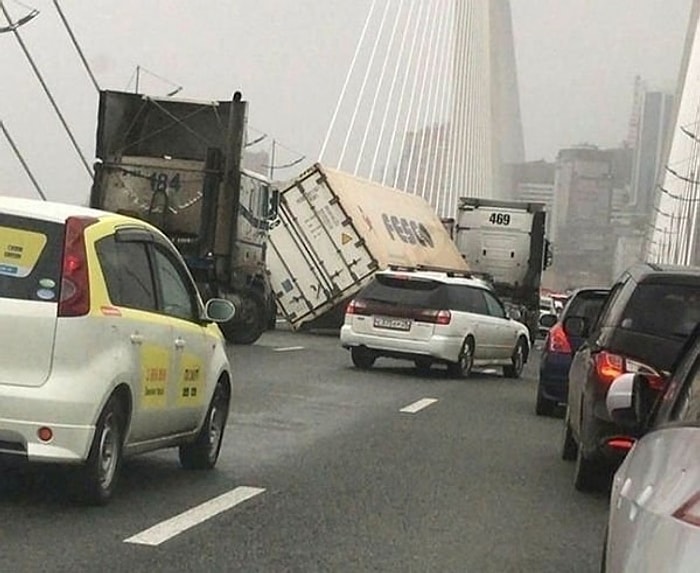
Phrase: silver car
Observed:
(654, 523)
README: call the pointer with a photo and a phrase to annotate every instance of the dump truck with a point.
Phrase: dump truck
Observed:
(335, 230)
(178, 164)
(505, 242)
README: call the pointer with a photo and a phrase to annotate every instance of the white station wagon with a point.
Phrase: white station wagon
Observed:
(433, 317)
(105, 346)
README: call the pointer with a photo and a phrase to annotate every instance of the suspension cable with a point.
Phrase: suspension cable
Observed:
(364, 84)
(45, 87)
(426, 159)
(76, 45)
(409, 115)
(387, 107)
(447, 82)
(22, 161)
(347, 80)
(402, 94)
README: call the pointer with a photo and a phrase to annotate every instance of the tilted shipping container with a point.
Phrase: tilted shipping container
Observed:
(336, 230)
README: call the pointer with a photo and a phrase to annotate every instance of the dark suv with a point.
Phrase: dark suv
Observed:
(644, 323)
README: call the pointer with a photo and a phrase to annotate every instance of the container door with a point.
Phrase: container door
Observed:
(316, 257)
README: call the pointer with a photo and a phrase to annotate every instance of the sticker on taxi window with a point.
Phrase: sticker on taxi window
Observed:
(155, 362)
(191, 381)
(19, 251)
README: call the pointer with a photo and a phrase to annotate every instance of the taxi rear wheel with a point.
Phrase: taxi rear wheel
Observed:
(98, 477)
(203, 453)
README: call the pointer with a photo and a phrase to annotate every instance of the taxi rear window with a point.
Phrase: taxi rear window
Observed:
(30, 258)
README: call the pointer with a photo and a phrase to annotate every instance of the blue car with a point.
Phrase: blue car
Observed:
(559, 349)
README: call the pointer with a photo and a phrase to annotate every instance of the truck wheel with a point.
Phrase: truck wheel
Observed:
(250, 320)
(203, 453)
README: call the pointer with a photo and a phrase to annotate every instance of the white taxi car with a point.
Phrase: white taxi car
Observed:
(433, 317)
(105, 345)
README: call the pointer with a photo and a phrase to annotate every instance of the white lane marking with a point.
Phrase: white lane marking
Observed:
(289, 348)
(418, 406)
(169, 528)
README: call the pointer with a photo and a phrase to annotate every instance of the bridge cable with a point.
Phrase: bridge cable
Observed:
(347, 80)
(382, 74)
(392, 87)
(402, 93)
(364, 85)
(46, 89)
(409, 115)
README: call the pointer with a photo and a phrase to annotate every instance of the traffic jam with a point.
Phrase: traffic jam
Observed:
(623, 362)
(125, 321)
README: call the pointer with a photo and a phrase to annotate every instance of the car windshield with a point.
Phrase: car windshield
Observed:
(666, 310)
(30, 261)
(404, 291)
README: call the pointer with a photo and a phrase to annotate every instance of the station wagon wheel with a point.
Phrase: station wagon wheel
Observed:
(203, 453)
(98, 477)
(362, 357)
(463, 367)
(517, 360)
(423, 365)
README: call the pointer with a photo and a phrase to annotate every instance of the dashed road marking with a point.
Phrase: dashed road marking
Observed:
(418, 406)
(169, 528)
(289, 349)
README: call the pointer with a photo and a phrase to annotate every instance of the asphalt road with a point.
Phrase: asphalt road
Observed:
(322, 471)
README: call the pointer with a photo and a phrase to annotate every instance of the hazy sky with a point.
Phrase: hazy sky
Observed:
(577, 61)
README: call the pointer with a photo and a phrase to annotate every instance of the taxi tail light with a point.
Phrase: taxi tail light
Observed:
(689, 512)
(75, 285)
(442, 317)
(558, 341)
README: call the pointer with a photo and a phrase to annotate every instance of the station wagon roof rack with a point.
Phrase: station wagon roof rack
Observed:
(427, 268)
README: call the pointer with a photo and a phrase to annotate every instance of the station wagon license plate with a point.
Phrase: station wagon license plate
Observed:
(392, 323)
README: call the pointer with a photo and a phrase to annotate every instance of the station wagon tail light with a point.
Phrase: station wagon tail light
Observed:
(558, 342)
(358, 307)
(442, 317)
(75, 285)
(689, 512)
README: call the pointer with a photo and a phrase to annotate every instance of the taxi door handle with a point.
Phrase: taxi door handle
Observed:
(180, 343)
(136, 338)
